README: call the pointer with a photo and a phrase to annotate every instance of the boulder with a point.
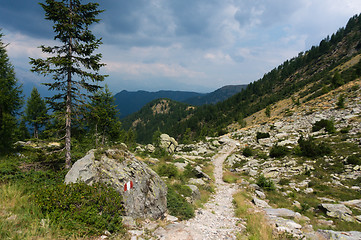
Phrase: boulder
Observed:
(260, 203)
(334, 235)
(168, 143)
(337, 211)
(148, 196)
(150, 148)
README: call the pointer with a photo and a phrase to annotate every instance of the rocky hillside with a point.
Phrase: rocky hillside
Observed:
(334, 62)
(299, 171)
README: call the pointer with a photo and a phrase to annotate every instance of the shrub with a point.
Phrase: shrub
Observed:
(81, 208)
(247, 152)
(260, 135)
(341, 101)
(278, 151)
(167, 170)
(178, 206)
(327, 124)
(190, 172)
(309, 148)
(354, 159)
(265, 183)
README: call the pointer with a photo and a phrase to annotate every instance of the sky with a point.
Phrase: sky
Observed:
(189, 45)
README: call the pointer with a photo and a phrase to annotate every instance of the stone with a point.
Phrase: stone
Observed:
(196, 181)
(337, 211)
(201, 174)
(196, 195)
(353, 203)
(129, 222)
(180, 166)
(147, 198)
(168, 143)
(308, 190)
(150, 148)
(281, 212)
(260, 203)
(260, 194)
(334, 235)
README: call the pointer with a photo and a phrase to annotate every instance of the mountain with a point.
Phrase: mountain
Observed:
(219, 95)
(130, 102)
(331, 64)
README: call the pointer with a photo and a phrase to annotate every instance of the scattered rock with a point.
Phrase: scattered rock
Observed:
(337, 211)
(260, 203)
(168, 143)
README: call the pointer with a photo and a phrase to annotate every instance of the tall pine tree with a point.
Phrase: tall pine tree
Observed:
(10, 99)
(74, 66)
(35, 111)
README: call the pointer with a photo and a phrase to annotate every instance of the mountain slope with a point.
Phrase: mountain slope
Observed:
(130, 102)
(333, 63)
(219, 95)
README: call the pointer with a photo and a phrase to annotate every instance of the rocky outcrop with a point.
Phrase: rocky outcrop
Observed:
(146, 198)
(168, 143)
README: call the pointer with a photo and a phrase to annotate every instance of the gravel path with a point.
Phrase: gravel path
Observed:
(216, 220)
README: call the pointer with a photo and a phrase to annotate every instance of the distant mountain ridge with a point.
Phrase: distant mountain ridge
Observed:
(129, 102)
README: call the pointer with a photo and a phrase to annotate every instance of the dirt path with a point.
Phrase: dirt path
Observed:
(216, 220)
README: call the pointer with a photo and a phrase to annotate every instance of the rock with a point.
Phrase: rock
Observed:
(201, 174)
(337, 211)
(255, 186)
(150, 148)
(260, 194)
(180, 166)
(308, 190)
(168, 143)
(353, 203)
(129, 222)
(334, 235)
(116, 167)
(171, 218)
(260, 203)
(281, 212)
(196, 195)
(197, 181)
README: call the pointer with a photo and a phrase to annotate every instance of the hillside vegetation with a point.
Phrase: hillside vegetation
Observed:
(334, 62)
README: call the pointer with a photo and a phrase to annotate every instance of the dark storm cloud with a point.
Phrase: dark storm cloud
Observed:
(25, 16)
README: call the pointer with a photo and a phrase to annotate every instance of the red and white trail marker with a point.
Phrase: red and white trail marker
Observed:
(128, 186)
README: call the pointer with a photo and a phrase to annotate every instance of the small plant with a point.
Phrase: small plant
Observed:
(247, 152)
(177, 205)
(167, 170)
(278, 151)
(82, 208)
(341, 101)
(260, 135)
(190, 172)
(326, 124)
(309, 148)
(265, 183)
(354, 159)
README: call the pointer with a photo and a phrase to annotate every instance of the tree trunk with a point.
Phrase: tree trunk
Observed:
(36, 131)
(68, 101)
(96, 135)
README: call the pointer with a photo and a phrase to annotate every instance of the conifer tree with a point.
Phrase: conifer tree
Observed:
(74, 66)
(35, 111)
(104, 115)
(10, 99)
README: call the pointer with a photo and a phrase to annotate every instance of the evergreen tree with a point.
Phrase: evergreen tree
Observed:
(74, 66)
(103, 116)
(35, 111)
(22, 132)
(10, 99)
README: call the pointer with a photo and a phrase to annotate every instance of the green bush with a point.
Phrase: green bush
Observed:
(81, 208)
(327, 124)
(354, 159)
(260, 135)
(178, 206)
(167, 170)
(309, 148)
(278, 151)
(190, 172)
(265, 183)
(247, 152)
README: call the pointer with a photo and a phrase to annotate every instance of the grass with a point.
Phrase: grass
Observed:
(20, 219)
(257, 227)
(230, 177)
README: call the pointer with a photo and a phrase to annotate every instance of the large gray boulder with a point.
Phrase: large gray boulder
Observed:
(147, 198)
